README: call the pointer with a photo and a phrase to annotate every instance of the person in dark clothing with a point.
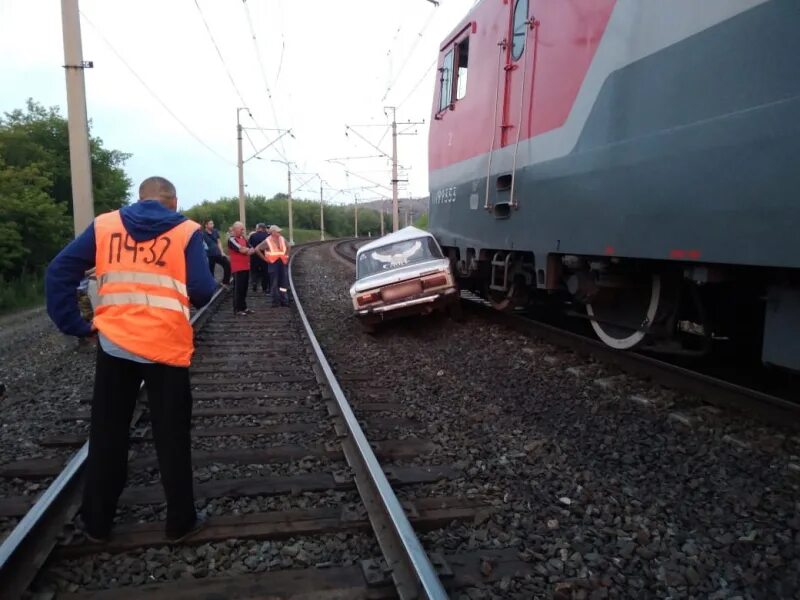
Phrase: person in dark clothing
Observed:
(275, 251)
(258, 267)
(214, 251)
(240, 254)
(141, 321)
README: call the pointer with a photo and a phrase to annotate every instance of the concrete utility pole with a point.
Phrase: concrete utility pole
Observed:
(321, 214)
(289, 204)
(240, 162)
(288, 196)
(355, 215)
(383, 226)
(395, 179)
(78, 124)
(395, 207)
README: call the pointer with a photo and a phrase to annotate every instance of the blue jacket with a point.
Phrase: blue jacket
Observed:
(143, 220)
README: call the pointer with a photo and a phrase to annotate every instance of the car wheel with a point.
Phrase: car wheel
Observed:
(455, 312)
(368, 328)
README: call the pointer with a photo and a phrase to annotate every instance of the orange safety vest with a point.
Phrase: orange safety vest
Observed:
(143, 305)
(276, 251)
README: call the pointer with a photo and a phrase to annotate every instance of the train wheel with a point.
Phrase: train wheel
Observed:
(517, 295)
(618, 320)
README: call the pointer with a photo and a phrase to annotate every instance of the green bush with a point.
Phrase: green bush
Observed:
(23, 292)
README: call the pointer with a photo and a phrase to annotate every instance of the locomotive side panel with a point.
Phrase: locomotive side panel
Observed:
(676, 145)
(679, 152)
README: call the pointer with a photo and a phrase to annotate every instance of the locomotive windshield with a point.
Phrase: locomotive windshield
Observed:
(398, 254)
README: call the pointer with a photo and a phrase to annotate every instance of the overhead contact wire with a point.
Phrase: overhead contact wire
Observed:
(163, 104)
(219, 53)
(270, 100)
(405, 62)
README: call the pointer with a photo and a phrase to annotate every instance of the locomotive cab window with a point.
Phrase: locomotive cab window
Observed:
(446, 81)
(520, 30)
(462, 60)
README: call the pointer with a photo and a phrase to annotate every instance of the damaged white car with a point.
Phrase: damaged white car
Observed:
(403, 273)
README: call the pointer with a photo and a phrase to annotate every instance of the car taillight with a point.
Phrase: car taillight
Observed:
(434, 281)
(368, 298)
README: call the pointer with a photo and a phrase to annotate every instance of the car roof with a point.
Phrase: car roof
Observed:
(401, 235)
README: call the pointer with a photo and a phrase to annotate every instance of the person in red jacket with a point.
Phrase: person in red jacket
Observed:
(240, 268)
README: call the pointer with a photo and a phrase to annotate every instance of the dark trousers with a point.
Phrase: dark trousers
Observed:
(258, 274)
(169, 398)
(241, 279)
(279, 283)
(226, 267)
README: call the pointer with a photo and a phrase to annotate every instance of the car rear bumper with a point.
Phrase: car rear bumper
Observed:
(421, 305)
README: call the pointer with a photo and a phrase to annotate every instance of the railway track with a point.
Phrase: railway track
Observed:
(755, 403)
(300, 494)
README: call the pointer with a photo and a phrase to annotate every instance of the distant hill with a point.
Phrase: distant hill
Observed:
(416, 207)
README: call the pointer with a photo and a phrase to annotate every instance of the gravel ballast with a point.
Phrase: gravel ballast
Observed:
(597, 478)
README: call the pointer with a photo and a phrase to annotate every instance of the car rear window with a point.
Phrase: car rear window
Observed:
(399, 254)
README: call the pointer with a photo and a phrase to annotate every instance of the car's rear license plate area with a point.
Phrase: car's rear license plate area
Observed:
(401, 290)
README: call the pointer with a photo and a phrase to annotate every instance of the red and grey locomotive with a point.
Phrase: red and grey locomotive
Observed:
(636, 159)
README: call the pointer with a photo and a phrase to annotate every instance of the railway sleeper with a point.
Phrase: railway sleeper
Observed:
(425, 514)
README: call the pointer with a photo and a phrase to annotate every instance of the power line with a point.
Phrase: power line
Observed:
(228, 73)
(416, 85)
(152, 93)
(410, 54)
(263, 73)
(219, 53)
(283, 43)
(348, 128)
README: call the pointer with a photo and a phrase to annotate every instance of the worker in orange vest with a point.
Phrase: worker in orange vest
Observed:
(150, 266)
(275, 251)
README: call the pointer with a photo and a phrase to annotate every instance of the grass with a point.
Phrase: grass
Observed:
(17, 294)
(305, 235)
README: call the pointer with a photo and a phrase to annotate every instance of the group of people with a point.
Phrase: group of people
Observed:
(260, 258)
(151, 264)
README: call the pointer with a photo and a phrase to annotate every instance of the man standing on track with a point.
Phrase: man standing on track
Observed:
(240, 265)
(214, 251)
(258, 268)
(150, 265)
(276, 253)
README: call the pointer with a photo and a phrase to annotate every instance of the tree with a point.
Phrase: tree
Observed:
(305, 214)
(38, 135)
(36, 188)
(32, 227)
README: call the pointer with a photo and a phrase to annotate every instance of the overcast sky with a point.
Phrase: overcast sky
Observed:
(326, 63)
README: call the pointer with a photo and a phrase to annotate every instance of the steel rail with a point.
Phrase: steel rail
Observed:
(725, 394)
(719, 392)
(29, 544)
(413, 573)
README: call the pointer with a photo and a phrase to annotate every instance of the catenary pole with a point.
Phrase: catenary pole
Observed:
(78, 123)
(288, 195)
(289, 203)
(321, 214)
(240, 162)
(395, 208)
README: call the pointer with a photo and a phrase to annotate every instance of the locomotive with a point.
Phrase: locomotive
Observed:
(637, 161)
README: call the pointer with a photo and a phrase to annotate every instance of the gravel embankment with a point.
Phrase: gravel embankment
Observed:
(46, 377)
(604, 496)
